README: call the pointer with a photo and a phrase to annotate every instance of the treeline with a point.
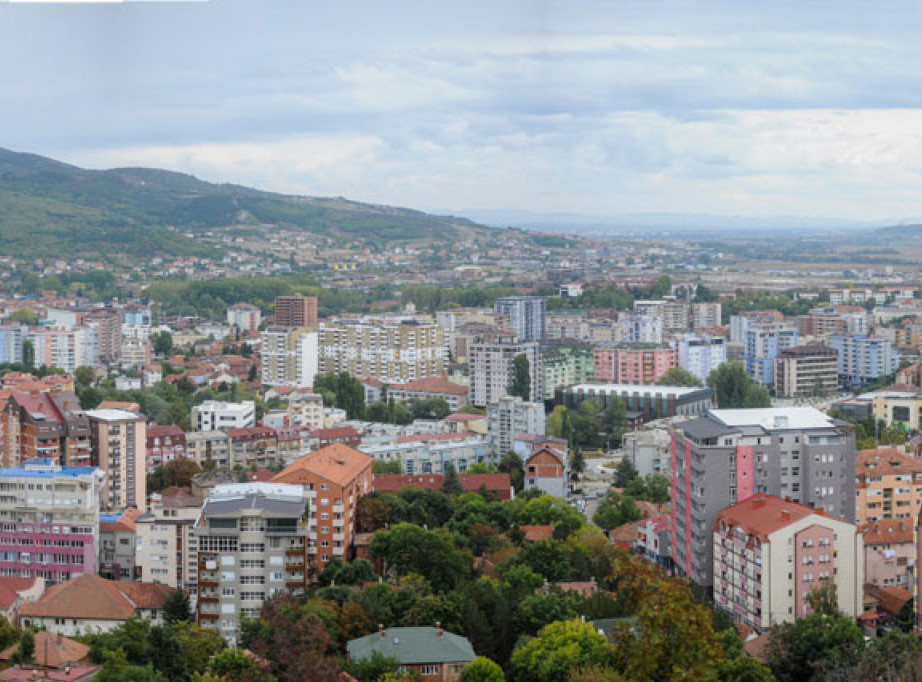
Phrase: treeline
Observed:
(614, 296)
(430, 298)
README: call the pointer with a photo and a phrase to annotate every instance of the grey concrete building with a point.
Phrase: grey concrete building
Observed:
(527, 315)
(490, 366)
(727, 456)
(252, 544)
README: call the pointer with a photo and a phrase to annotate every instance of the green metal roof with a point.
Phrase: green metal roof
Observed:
(413, 645)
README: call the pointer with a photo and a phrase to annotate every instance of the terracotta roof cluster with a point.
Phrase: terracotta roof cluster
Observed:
(337, 463)
(762, 514)
(887, 531)
(538, 533)
(11, 587)
(884, 462)
(391, 483)
(91, 597)
(889, 599)
(52, 650)
(125, 522)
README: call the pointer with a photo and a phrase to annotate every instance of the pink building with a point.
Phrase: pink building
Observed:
(631, 364)
(889, 553)
(769, 553)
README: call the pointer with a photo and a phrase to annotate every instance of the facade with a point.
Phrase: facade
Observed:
(701, 354)
(639, 328)
(645, 402)
(863, 359)
(117, 545)
(888, 485)
(251, 542)
(769, 553)
(166, 548)
(889, 553)
(563, 366)
(107, 324)
(706, 315)
(395, 352)
(89, 603)
(631, 364)
(333, 479)
(244, 317)
(209, 446)
(673, 313)
(213, 415)
(434, 387)
(295, 311)
(49, 520)
(65, 349)
(510, 417)
(306, 409)
(729, 455)
(164, 444)
(290, 356)
(527, 315)
(806, 371)
(547, 469)
(902, 409)
(739, 324)
(45, 425)
(432, 653)
(119, 440)
(491, 369)
(762, 343)
(648, 450)
(432, 455)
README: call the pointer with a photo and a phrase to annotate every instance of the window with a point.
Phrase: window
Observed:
(429, 670)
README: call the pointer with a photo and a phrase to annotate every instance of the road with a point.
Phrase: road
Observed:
(596, 477)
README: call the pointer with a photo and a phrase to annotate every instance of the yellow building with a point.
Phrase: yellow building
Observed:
(898, 408)
(888, 485)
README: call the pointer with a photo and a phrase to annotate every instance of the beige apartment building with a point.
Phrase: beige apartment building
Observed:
(119, 443)
(805, 371)
(395, 352)
(888, 485)
(289, 356)
(166, 548)
(252, 539)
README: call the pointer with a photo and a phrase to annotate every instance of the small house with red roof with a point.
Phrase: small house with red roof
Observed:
(769, 553)
(16, 591)
(498, 486)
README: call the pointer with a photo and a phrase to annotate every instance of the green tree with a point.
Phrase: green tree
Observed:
(407, 548)
(735, 388)
(373, 668)
(348, 392)
(25, 315)
(614, 421)
(797, 651)
(744, 669)
(616, 510)
(451, 484)
(28, 355)
(650, 488)
(385, 467)
(164, 652)
(197, 645)
(26, 650)
(84, 375)
(676, 376)
(162, 343)
(625, 472)
(117, 668)
(482, 669)
(521, 377)
(234, 664)
(559, 649)
(510, 463)
(176, 607)
(558, 422)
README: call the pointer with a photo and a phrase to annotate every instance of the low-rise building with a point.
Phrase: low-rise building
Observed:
(435, 655)
(547, 469)
(213, 415)
(164, 444)
(648, 402)
(431, 387)
(769, 553)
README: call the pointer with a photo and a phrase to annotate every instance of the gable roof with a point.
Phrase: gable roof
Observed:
(433, 385)
(338, 463)
(413, 645)
(762, 514)
(884, 462)
(887, 531)
(10, 587)
(538, 533)
(91, 597)
(52, 650)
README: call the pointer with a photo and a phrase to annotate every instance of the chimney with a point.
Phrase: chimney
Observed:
(381, 630)
(785, 514)
(438, 626)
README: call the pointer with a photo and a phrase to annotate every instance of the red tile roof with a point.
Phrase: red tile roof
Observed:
(433, 385)
(884, 462)
(499, 483)
(10, 588)
(763, 514)
(887, 531)
(91, 597)
(538, 533)
(338, 463)
(52, 650)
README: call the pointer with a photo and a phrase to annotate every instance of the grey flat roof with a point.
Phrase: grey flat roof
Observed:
(232, 505)
(702, 428)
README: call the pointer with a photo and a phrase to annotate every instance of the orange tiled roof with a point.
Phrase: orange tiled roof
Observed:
(884, 462)
(91, 597)
(435, 385)
(887, 531)
(763, 514)
(538, 533)
(53, 651)
(10, 587)
(337, 463)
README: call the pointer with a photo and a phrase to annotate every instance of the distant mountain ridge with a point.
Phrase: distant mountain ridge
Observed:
(52, 208)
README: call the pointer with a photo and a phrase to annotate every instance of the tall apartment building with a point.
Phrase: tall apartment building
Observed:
(631, 364)
(701, 354)
(119, 442)
(563, 366)
(295, 311)
(251, 541)
(727, 456)
(11, 337)
(638, 328)
(166, 549)
(244, 317)
(527, 315)
(334, 478)
(290, 356)
(65, 349)
(673, 313)
(395, 352)
(762, 343)
(45, 425)
(706, 315)
(806, 371)
(740, 323)
(864, 359)
(510, 417)
(49, 520)
(836, 320)
(888, 485)
(107, 323)
(769, 553)
(213, 415)
(490, 366)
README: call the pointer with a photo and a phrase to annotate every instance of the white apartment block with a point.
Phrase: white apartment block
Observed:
(290, 357)
(706, 315)
(701, 354)
(214, 415)
(490, 367)
(244, 317)
(511, 417)
(166, 548)
(640, 328)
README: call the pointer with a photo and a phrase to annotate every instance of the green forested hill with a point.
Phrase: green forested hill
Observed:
(48, 208)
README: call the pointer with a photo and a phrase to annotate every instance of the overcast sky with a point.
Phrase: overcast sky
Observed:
(598, 107)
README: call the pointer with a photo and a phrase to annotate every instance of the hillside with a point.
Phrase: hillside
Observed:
(48, 208)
